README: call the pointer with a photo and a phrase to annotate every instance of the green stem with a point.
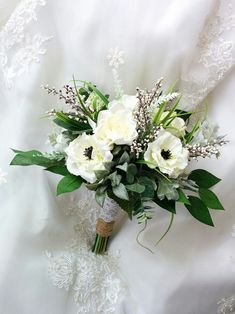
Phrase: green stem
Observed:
(100, 245)
(167, 230)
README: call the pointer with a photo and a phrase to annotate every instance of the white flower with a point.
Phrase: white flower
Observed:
(168, 154)
(85, 155)
(3, 176)
(58, 141)
(117, 124)
(177, 126)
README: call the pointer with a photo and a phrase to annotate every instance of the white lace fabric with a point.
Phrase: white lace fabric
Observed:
(94, 280)
(214, 55)
(19, 48)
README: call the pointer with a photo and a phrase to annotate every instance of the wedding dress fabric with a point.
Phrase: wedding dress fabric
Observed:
(46, 265)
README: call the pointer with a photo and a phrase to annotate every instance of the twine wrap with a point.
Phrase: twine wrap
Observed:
(103, 228)
(106, 220)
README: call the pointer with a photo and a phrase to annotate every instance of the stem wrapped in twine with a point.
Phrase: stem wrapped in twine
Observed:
(104, 225)
(103, 228)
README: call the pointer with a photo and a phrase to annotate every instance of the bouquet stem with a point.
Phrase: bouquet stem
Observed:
(103, 231)
(100, 245)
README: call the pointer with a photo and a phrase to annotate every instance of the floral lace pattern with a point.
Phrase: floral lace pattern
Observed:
(226, 305)
(94, 280)
(215, 55)
(18, 47)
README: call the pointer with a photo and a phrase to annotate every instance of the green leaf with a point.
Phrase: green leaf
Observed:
(150, 187)
(34, 157)
(183, 114)
(92, 186)
(136, 187)
(115, 178)
(100, 174)
(124, 158)
(116, 150)
(165, 203)
(210, 199)
(188, 137)
(123, 167)
(182, 197)
(97, 91)
(100, 195)
(167, 189)
(171, 111)
(62, 170)
(70, 124)
(199, 210)
(121, 192)
(131, 172)
(203, 178)
(68, 184)
(129, 206)
(108, 165)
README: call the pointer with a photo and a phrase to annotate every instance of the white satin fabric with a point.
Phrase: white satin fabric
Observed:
(193, 267)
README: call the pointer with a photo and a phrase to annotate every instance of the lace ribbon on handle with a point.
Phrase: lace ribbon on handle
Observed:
(110, 210)
(18, 47)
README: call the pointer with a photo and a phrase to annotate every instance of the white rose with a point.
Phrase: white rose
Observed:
(177, 126)
(125, 102)
(85, 155)
(116, 126)
(168, 154)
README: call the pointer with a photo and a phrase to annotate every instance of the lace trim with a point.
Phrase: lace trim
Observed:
(19, 48)
(226, 306)
(214, 55)
(94, 280)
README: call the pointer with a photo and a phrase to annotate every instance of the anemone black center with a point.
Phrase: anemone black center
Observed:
(88, 152)
(166, 154)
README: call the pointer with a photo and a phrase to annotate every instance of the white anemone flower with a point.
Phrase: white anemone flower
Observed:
(85, 155)
(168, 154)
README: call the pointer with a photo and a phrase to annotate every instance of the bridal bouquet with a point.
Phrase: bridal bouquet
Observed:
(133, 151)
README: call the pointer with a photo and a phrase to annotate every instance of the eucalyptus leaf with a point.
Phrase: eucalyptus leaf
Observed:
(115, 178)
(100, 174)
(150, 187)
(136, 187)
(120, 191)
(199, 210)
(124, 158)
(167, 189)
(131, 172)
(100, 195)
(130, 206)
(116, 150)
(210, 199)
(123, 167)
